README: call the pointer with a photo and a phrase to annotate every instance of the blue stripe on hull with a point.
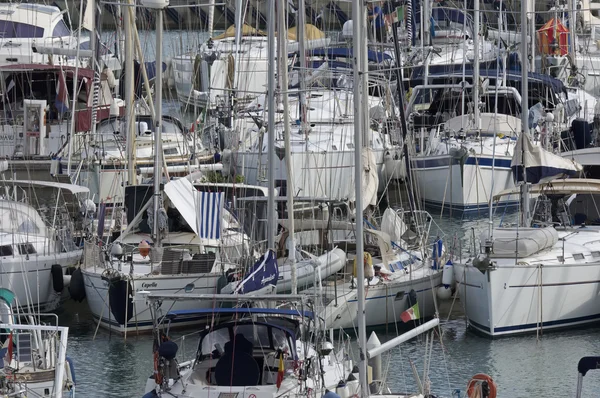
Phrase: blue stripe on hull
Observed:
(531, 327)
(131, 325)
(470, 207)
(471, 160)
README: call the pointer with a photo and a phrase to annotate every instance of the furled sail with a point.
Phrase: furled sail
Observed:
(540, 164)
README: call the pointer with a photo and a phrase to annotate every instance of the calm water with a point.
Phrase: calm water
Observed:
(108, 366)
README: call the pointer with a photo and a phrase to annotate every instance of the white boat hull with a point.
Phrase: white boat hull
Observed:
(444, 182)
(96, 290)
(30, 278)
(383, 303)
(526, 298)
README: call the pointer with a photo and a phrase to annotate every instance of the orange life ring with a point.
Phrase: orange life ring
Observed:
(157, 376)
(476, 381)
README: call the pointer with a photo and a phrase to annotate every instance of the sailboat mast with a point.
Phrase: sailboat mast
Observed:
(359, 48)
(524, 107)
(75, 87)
(283, 86)
(129, 96)
(271, 127)
(302, 54)
(158, 122)
(476, 65)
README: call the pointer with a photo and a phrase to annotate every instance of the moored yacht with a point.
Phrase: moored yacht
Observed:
(35, 255)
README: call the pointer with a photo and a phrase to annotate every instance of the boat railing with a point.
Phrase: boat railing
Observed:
(53, 355)
(92, 255)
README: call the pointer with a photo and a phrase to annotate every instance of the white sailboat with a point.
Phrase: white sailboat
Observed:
(35, 255)
(512, 285)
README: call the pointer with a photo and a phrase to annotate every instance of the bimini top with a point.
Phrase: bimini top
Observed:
(344, 52)
(246, 337)
(512, 75)
(239, 311)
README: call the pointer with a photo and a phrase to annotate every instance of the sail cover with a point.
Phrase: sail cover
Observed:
(262, 274)
(540, 164)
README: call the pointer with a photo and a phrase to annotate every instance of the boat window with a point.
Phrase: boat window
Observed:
(257, 334)
(280, 339)
(595, 254)
(170, 151)
(213, 339)
(578, 256)
(6, 250)
(61, 29)
(28, 226)
(26, 248)
(12, 30)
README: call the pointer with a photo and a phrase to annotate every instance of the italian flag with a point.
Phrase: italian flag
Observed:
(410, 314)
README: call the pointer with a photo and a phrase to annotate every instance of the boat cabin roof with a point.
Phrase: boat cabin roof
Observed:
(20, 217)
(28, 21)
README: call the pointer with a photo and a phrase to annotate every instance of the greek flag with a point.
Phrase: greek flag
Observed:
(208, 214)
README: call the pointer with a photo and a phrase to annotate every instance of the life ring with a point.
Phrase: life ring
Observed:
(157, 376)
(473, 386)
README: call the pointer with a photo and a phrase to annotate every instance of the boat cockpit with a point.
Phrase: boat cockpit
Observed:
(246, 352)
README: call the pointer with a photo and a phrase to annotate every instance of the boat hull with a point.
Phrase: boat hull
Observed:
(521, 299)
(30, 278)
(445, 181)
(383, 302)
(97, 293)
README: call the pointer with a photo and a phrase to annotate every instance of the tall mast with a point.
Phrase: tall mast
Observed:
(476, 65)
(129, 95)
(524, 107)
(271, 127)
(359, 48)
(302, 54)
(283, 71)
(75, 87)
(159, 6)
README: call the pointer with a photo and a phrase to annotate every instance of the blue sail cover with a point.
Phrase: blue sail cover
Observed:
(540, 165)
(262, 274)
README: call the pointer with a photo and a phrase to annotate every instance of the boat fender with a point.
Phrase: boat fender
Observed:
(77, 286)
(71, 368)
(448, 274)
(444, 292)
(342, 390)
(121, 300)
(168, 350)
(58, 282)
(482, 385)
(353, 385)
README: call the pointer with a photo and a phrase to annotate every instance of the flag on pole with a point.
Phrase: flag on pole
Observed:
(209, 214)
(411, 314)
(280, 370)
(62, 94)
